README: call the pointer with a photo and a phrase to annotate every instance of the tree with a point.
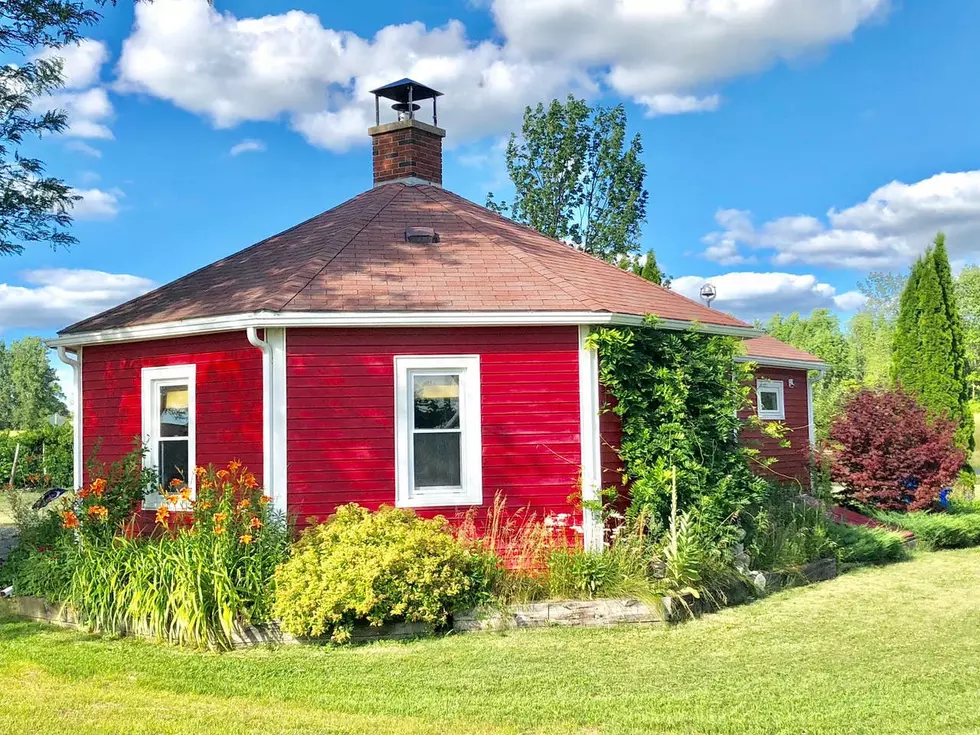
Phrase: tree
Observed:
(929, 359)
(577, 179)
(968, 299)
(34, 393)
(887, 452)
(819, 334)
(872, 329)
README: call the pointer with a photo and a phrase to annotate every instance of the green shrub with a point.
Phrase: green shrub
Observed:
(783, 532)
(955, 530)
(865, 545)
(45, 458)
(390, 565)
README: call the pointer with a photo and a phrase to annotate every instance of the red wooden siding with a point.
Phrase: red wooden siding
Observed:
(792, 463)
(341, 414)
(229, 396)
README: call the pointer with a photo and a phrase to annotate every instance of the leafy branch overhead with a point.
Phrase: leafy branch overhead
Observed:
(34, 207)
(577, 178)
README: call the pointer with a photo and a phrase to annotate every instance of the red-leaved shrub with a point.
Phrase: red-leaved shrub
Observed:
(888, 453)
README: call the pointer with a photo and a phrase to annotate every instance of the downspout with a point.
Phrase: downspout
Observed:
(253, 338)
(812, 424)
(76, 369)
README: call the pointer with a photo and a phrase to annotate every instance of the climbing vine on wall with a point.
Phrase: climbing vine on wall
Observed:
(677, 395)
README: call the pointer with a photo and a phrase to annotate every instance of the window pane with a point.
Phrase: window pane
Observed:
(173, 462)
(770, 400)
(437, 459)
(436, 400)
(173, 410)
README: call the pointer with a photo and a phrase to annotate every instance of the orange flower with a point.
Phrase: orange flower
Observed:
(234, 465)
(265, 500)
(249, 481)
(220, 517)
(176, 482)
(223, 474)
(98, 486)
(219, 530)
(185, 494)
(200, 471)
(246, 538)
(204, 505)
(245, 503)
(83, 493)
(173, 499)
(256, 523)
(69, 520)
(163, 513)
(99, 512)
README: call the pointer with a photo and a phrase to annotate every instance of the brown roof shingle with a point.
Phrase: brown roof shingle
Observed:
(766, 347)
(354, 257)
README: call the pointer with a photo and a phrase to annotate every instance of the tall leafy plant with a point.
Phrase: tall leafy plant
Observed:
(678, 395)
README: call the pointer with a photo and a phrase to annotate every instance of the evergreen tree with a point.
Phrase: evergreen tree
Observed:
(929, 357)
(648, 269)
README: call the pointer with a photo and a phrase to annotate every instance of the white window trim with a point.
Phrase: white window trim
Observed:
(152, 379)
(470, 491)
(771, 386)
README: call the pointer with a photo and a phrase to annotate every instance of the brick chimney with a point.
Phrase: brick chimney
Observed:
(407, 150)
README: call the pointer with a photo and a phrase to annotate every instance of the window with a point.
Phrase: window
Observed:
(438, 450)
(769, 397)
(169, 425)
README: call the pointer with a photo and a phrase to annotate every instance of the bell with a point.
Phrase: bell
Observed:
(405, 111)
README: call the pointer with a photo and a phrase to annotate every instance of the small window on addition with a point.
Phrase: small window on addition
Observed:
(769, 397)
(438, 447)
(169, 426)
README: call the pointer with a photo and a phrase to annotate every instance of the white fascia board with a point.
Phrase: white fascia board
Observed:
(779, 362)
(285, 319)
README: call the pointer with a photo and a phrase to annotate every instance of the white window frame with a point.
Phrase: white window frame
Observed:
(771, 386)
(152, 380)
(470, 490)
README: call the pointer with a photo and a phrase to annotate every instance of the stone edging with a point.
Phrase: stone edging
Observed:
(565, 613)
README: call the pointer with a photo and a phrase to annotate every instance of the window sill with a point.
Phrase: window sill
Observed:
(439, 501)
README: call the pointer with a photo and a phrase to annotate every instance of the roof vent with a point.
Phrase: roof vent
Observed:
(421, 235)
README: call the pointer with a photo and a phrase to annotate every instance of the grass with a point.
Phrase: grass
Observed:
(884, 650)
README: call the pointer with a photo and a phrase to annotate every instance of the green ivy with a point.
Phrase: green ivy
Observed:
(678, 395)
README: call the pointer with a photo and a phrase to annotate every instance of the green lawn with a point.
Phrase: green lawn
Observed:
(888, 650)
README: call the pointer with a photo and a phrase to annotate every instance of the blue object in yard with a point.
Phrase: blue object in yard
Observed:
(49, 497)
(944, 497)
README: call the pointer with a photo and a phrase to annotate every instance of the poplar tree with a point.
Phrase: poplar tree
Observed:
(929, 356)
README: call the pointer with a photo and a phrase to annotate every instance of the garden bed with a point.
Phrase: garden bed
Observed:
(563, 613)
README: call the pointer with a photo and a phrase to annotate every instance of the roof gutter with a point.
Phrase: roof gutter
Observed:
(781, 362)
(270, 319)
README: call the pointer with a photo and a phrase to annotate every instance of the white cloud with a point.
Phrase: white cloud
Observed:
(246, 146)
(81, 63)
(96, 203)
(759, 295)
(673, 104)
(887, 230)
(81, 147)
(56, 297)
(87, 104)
(289, 66)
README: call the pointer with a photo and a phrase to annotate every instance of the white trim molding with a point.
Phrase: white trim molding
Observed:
(779, 362)
(588, 387)
(151, 380)
(286, 319)
(78, 462)
(470, 489)
(771, 386)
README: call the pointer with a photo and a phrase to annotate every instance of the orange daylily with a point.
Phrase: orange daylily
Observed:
(256, 523)
(250, 482)
(69, 520)
(220, 517)
(265, 500)
(163, 513)
(219, 530)
(98, 486)
(245, 503)
(176, 482)
(245, 538)
(234, 465)
(99, 512)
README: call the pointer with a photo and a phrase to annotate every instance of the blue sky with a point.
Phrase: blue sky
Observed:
(791, 145)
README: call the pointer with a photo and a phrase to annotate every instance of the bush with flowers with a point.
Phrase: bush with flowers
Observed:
(204, 571)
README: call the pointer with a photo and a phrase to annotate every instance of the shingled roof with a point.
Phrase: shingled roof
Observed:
(769, 350)
(356, 258)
